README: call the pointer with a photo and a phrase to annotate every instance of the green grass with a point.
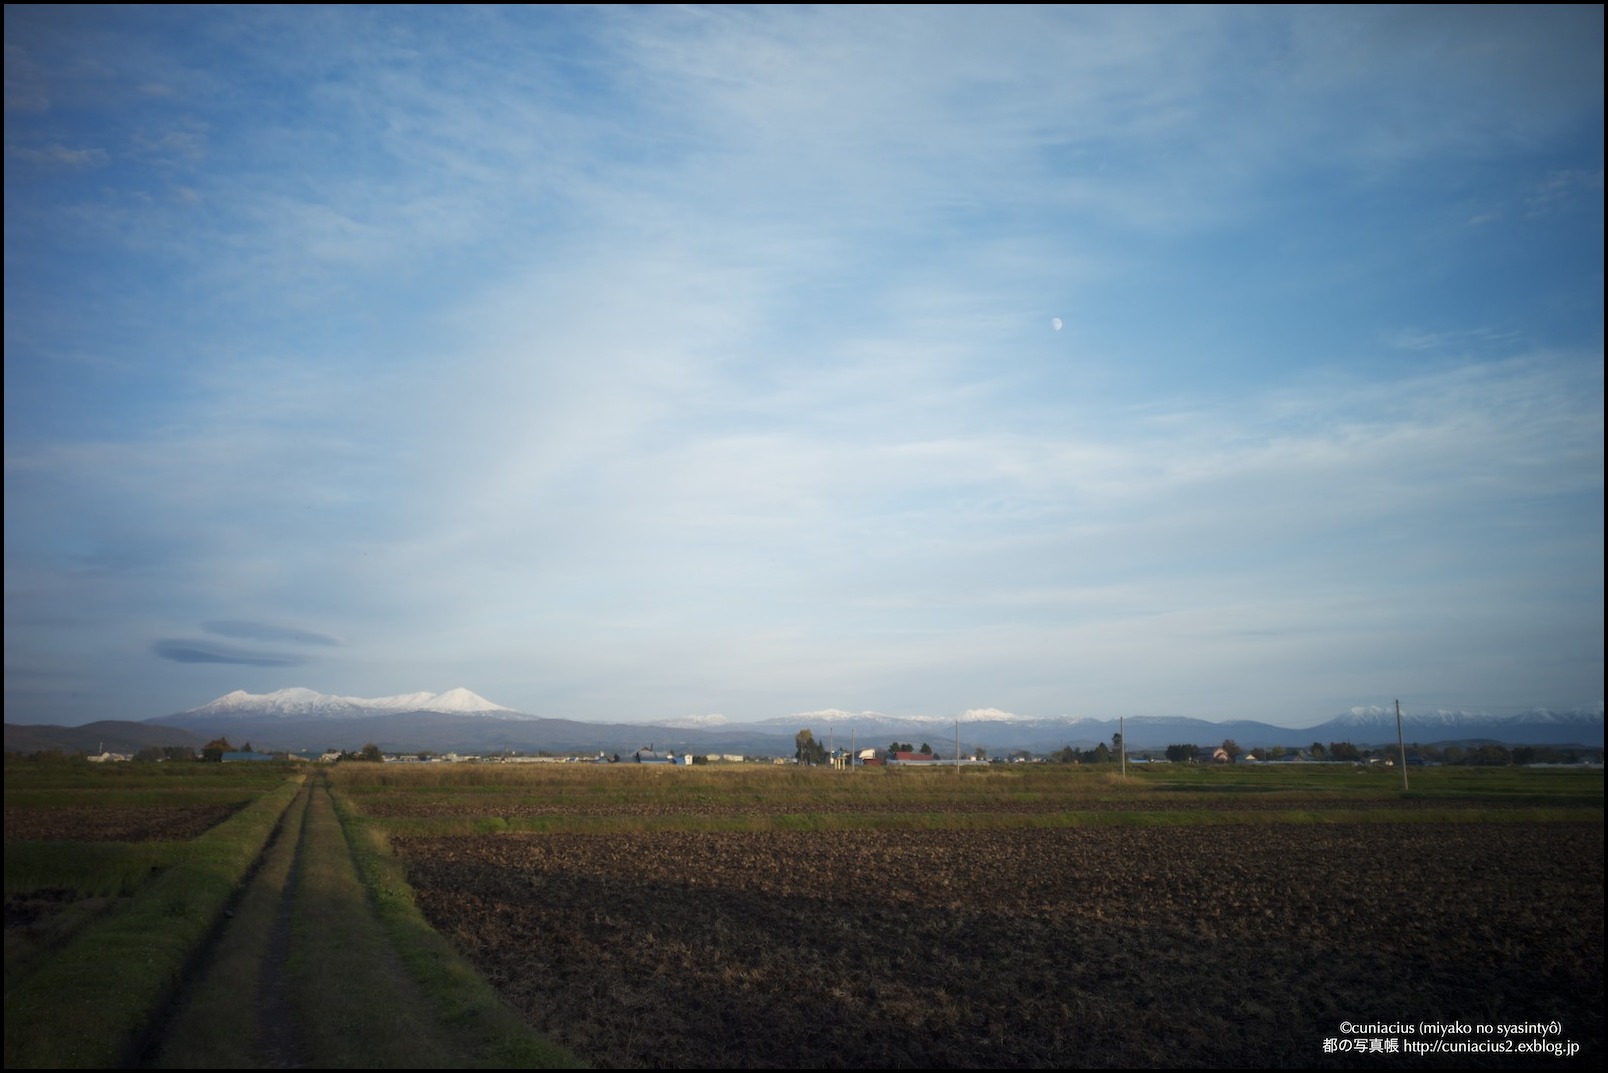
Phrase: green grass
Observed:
(87, 869)
(179, 776)
(370, 983)
(475, 1027)
(89, 1004)
(618, 799)
(210, 1031)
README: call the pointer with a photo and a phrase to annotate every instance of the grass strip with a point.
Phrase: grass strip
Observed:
(88, 869)
(90, 1005)
(354, 1001)
(480, 1029)
(210, 1032)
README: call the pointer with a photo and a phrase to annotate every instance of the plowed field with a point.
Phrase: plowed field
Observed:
(125, 823)
(1098, 946)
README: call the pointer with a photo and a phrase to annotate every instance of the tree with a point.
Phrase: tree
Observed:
(1100, 755)
(808, 751)
(1491, 754)
(1318, 752)
(214, 749)
(371, 753)
(1182, 754)
(1231, 747)
(982, 753)
(1116, 744)
(926, 750)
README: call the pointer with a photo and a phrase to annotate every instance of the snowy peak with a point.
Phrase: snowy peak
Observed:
(295, 701)
(1373, 716)
(298, 701)
(461, 700)
(698, 722)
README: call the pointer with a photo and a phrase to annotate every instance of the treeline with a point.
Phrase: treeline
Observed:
(1486, 755)
(151, 753)
(1500, 755)
(1100, 754)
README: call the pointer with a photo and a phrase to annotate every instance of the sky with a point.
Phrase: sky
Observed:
(642, 363)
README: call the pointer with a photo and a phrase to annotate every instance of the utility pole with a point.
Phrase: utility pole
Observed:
(1123, 737)
(1401, 746)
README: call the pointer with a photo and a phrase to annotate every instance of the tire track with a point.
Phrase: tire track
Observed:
(231, 1010)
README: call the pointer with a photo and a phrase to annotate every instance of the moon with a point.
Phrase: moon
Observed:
(1055, 322)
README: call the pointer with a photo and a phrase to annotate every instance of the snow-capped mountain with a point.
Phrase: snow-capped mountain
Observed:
(839, 717)
(1537, 726)
(308, 703)
(697, 722)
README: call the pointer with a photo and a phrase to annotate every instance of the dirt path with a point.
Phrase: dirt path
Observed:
(277, 1037)
(302, 973)
(233, 1009)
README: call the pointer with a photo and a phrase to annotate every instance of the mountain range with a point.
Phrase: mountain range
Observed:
(462, 721)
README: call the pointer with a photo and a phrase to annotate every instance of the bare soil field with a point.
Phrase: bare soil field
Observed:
(515, 809)
(124, 823)
(1070, 947)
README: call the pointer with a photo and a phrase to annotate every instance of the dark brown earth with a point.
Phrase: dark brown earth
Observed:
(1130, 946)
(1240, 803)
(126, 823)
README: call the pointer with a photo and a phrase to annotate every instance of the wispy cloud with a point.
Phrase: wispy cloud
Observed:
(210, 652)
(262, 631)
(58, 156)
(630, 361)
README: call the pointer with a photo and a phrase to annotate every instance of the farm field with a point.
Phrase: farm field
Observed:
(987, 917)
(218, 916)
(760, 917)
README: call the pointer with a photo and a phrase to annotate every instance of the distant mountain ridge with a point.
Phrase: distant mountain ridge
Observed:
(463, 721)
(1361, 725)
(298, 701)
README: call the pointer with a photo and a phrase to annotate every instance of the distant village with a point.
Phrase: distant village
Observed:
(811, 753)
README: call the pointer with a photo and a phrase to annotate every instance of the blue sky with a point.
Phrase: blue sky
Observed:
(643, 363)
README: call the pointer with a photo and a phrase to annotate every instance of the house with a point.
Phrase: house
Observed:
(1214, 755)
